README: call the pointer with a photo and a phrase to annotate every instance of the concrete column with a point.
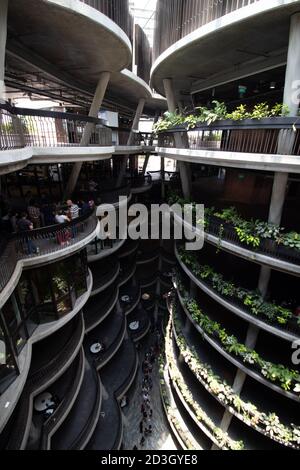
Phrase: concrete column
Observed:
(85, 139)
(193, 290)
(179, 141)
(240, 377)
(292, 75)
(130, 141)
(145, 163)
(3, 35)
(162, 172)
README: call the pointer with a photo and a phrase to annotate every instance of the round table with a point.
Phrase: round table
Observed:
(134, 325)
(43, 402)
(95, 348)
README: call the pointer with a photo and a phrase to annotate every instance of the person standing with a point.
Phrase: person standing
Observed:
(24, 226)
(73, 209)
(34, 213)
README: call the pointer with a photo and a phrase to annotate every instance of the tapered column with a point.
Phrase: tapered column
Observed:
(130, 141)
(3, 35)
(179, 141)
(89, 127)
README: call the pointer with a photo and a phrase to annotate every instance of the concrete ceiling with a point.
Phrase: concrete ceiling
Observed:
(213, 55)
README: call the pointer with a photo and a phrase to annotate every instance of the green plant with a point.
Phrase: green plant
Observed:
(267, 423)
(239, 113)
(292, 240)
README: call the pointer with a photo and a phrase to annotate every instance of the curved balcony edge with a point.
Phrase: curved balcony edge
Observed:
(15, 389)
(234, 361)
(241, 252)
(40, 259)
(247, 161)
(234, 309)
(108, 311)
(230, 409)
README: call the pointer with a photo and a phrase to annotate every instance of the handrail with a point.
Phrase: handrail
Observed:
(22, 127)
(280, 122)
(278, 135)
(41, 241)
(51, 114)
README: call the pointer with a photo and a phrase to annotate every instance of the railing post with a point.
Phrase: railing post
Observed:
(89, 127)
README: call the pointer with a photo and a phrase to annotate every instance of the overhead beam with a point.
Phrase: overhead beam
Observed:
(240, 71)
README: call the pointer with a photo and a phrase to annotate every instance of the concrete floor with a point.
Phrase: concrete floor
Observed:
(161, 438)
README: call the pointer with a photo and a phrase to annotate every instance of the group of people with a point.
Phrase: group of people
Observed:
(44, 213)
(147, 384)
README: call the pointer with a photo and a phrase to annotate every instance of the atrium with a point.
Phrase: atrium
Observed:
(115, 341)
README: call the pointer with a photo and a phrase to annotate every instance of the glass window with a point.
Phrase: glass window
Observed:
(27, 302)
(8, 369)
(14, 323)
(61, 288)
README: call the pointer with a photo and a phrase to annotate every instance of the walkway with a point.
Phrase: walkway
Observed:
(161, 438)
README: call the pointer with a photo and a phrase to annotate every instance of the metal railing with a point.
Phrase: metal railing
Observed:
(177, 18)
(22, 127)
(106, 195)
(117, 11)
(268, 136)
(42, 241)
(266, 247)
(140, 180)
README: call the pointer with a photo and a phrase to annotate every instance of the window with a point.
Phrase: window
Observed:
(14, 323)
(8, 368)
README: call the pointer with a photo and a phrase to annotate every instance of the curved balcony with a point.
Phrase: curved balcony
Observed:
(67, 390)
(268, 253)
(129, 297)
(138, 324)
(268, 144)
(42, 245)
(79, 425)
(129, 248)
(99, 307)
(109, 334)
(214, 341)
(79, 27)
(11, 395)
(209, 31)
(140, 183)
(289, 332)
(127, 270)
(99, 249)
(107, 195)
(110, 419)
(257, 429)
(104, 274)
(119, 374)
(29, 136)
(181, 430)
(46, 367)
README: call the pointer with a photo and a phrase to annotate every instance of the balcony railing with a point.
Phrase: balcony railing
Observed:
(178, 18)
(22, 127)
(139, 181)
(268, 136)
(117, 11)
(42, 241)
